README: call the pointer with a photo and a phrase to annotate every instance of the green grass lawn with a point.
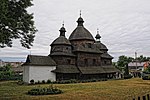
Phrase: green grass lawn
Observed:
(105, 90)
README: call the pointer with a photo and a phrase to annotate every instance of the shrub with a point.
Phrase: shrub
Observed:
(44, 91)
(48, 81)
(77, 81)
(38, 82)
(43, 81)
(73, 81)
(32, 81)
(146, 77)
(127, 76)
(93, 80)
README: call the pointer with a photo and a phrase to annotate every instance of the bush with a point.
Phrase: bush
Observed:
(127, 76)
(48, 81)
(44, 91)
(73, 81)
(43, 81)
(93, 80)
(68, 81)
(38, 82)
(32, 81)
(146, 77)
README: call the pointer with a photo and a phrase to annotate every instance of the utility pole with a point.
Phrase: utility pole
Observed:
(136, 61)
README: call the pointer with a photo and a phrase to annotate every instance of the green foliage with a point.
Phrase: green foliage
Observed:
(123, 60)
(67, 81)
(147, 70)
(16, 23)
(38, 82)
(32, 81)
(127, 76)
(78, 81)
(146, 77)
(119, 90)
(6, 68)
(48, 81)
(43, 81)
(126, 70)
(141, 58)
(45, 91)
(7, 74)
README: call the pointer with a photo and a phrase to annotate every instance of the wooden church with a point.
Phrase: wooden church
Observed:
(78, 57)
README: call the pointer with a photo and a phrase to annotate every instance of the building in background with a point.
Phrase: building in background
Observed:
(136, 68)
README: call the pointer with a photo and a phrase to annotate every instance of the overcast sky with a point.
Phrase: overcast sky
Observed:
(124, 25)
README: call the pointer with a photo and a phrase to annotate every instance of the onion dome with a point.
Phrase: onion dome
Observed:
(81, 33)
(80, 21)
(97, 36)
(62, 31)
(61, 39)
(98, 44)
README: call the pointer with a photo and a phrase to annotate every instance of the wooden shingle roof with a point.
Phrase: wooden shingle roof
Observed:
(39, 61)
(62, 54)
(91, 70)
(66, 69)
(89, 48)
(100, 45)
(61, 40)
(98, 69)
(110, 69)
(81, 33)
(106, 55)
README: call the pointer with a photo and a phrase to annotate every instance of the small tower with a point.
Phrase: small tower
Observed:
(97, 36)
(80, 34)
(62, 30)
(61, 49)
(80, 20)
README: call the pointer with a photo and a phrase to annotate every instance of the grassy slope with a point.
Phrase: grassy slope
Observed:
(106, 90)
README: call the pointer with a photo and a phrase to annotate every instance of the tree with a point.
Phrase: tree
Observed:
(126, 70)
(6, 72)
(141, 58)
(16, 23)
(124, 60)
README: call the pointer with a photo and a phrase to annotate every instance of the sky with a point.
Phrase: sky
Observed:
(124, 26)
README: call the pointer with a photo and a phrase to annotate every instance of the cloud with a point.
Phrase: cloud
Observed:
(124, 25)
